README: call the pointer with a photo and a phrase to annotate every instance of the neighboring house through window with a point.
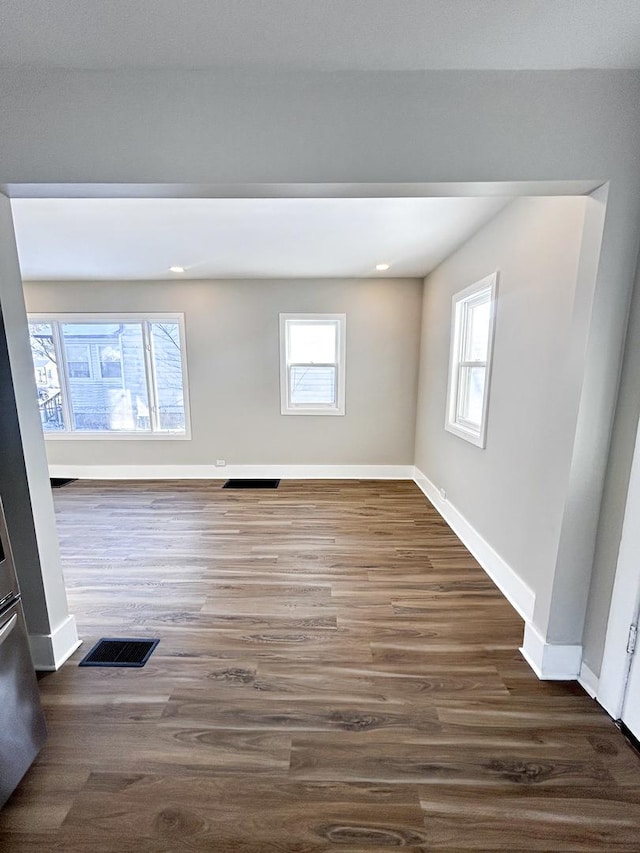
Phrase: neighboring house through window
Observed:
(109, 375)
(473, 320)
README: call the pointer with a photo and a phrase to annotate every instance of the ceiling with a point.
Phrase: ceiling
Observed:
(138, 238)
(321, 34)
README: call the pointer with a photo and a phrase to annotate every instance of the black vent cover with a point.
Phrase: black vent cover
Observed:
(251, 484)
(111, 651)
(59, 482)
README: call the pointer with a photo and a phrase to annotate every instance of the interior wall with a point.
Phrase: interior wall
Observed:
(232, 330)
(24, 482)
(513, 492)
(615, 495)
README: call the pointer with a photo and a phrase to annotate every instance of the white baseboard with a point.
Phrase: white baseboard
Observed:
(588, 680)
(213, 472)
(550, 661)
(505, 578)
(50, 651)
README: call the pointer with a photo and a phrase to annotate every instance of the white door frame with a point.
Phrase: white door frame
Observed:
(625, 601)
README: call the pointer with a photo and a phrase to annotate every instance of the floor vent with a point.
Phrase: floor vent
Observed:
(251, 484)
(110, 651)
(59, 482)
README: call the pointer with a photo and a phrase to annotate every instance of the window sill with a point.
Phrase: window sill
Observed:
(116, 436)
(321, 412)
(476, 438)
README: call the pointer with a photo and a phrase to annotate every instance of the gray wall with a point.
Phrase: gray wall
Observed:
(513, 491)
(615, 493)
(24, 481)
(233, 366)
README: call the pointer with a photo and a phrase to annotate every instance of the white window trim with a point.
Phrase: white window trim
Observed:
(341, 351)
(111, 317)
(478, 437)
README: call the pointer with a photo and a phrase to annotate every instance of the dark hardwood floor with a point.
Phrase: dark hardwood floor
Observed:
(335, 673)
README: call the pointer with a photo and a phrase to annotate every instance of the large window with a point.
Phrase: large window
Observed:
(105, 375)
(473, 314)
(312, 364)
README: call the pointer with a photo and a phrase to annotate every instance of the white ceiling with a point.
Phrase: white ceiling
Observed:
(85, 239)
(321, 34)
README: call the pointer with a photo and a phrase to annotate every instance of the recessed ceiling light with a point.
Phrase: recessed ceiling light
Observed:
(176, 269)
(382, 267)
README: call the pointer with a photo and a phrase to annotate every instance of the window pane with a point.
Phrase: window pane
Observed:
(168, 371)
(47, 382)
(471, 395)
(312, 342)
(312, 386)
(477, 338)
(113, 400)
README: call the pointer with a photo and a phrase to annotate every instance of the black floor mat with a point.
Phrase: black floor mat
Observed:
(59, 482)
(112, 651)
(251, 484)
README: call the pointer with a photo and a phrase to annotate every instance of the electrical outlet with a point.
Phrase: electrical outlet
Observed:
(443, 495)
(220, 463)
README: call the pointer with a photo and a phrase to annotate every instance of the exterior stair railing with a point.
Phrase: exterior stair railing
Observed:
(51, 411)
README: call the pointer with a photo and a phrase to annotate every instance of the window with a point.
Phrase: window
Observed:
(78, 361)
(110, 362)
(312, 364)
(110, 376)
(473, 314)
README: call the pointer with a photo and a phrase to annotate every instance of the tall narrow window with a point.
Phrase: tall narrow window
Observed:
(46, 364)
(473, 316)
(312, 364)
(110, 376)
(166, 343)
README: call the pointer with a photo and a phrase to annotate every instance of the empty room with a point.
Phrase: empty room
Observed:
(320, 392)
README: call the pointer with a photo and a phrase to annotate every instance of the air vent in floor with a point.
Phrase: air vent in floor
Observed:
(111, 651)
(59, 482)
(251, 484)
